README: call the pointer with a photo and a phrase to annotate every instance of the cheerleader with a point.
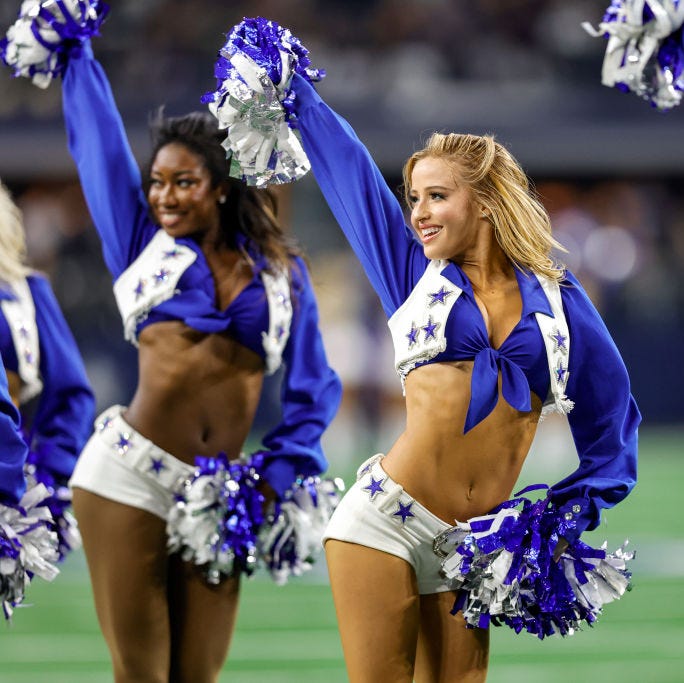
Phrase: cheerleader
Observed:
(215, 297)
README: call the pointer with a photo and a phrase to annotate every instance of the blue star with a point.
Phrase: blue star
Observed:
(23, 332)
(404, 511)
(412, 336)
(560, 340)
(101, 426)
(561, 373)
(280, 331)
(124, 443)
(374, 487)
(439, 297)
(157, 465)
(162, 275)
(430, 328)
(139, 289)
(171, 253)
(28, 356)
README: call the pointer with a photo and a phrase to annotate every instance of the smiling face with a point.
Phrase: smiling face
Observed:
(444, 214)
(180, 194)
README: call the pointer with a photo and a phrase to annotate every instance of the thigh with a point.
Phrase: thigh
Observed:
(378, 611)
(202, 622)
(447, 650)
(126, 552)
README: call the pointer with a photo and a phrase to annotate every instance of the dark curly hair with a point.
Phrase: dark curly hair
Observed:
(249, 210)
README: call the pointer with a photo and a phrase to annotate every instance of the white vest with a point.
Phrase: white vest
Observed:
(425, 313)
(153, 277)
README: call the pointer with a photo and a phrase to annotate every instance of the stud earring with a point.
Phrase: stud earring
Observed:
(222, 199)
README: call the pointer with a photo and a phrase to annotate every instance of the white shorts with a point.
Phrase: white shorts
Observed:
(120, 464)
(376, 512)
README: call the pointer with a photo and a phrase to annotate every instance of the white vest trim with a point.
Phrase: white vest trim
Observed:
(418, 325)
(150, 280)
(20, 314)
(556, 336)
(279, 318)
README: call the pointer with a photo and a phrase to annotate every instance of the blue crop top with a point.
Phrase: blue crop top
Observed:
(37, 344)
(449, 325)
(161, 278)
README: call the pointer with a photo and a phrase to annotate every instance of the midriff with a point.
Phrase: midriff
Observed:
(456, 475)
(197, 393)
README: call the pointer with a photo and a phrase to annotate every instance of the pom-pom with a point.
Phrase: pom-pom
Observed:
(37, 45)
(28, 546)
(253, 102)
(645, 53)
(291, 535)
(502, 566)
(58, 502)
(216, 517)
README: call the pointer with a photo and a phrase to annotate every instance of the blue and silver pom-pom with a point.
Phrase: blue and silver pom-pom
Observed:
(502, 566)
(216, 517)
(58, 502)
(645, 51)
(291, 535)
(253, 102)
(28, 546)
(37, 45)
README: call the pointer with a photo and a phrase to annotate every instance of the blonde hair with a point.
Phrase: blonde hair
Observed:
(12, 239)
(521, 224)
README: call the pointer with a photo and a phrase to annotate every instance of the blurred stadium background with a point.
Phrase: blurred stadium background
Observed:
(609, 169)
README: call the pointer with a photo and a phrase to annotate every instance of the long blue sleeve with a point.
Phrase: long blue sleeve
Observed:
(366, 209)
(310, 395)
(66, 409)
(13, 450)
(604, 421)
(109, 174)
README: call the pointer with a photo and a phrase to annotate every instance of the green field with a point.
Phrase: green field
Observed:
(288, 635)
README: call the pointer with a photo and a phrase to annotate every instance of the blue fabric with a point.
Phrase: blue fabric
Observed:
(13, 452)
(605, 418)
(62, 418)
(112, 186)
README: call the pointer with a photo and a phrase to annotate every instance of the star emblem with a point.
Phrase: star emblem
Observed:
(439, 297)
(412, 336)
(171, 253)
(157, 465)
(374, 487)
(124, 443)
(280, 331)
(559, 340)
(404, 511)
(430, 328)
(23, 331)
(561, 373)
(28, 356)
(105, 424)
(139, 289)
(162, 275)
(282, 299)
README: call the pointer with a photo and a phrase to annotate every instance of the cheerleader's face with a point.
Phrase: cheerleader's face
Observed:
(444, 214)
(180, 194)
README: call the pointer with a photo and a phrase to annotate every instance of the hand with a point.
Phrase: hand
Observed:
(560, 548)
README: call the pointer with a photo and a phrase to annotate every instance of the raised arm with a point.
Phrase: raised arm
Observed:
(65, 413)
(604, 421)
(108, 171)
(310, 396)
(366, 209)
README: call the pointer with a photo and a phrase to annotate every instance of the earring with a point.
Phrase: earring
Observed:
(222, 199)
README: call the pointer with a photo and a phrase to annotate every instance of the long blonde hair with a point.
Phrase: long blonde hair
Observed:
(12, 239)
(521, 224)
